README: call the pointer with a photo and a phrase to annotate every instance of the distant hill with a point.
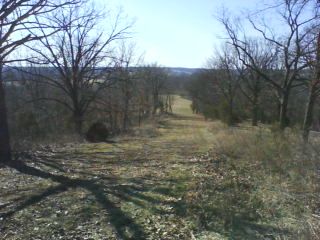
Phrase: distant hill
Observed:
(183, 71)
(17, 72)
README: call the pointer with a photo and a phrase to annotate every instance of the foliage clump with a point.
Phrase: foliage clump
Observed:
(98, 132)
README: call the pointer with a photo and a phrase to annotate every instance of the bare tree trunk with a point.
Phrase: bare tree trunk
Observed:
(170, 103)
(255, 109)
(307, 124)
(255, 112)
(78, 122)
(230, 120)
(283, 119)
(125, 113)
(125, 120)
(111, 119)
(155, 104)
(5, 148)
(308, 117)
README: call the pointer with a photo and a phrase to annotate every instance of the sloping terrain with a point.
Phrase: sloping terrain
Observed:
(106, 191)
(161, 182)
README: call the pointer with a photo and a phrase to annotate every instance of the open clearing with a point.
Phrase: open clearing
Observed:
(140, 187)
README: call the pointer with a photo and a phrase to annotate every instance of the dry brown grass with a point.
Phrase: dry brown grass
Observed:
(177, 178)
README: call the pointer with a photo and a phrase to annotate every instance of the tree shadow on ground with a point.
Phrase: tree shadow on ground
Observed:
(118, 219)
(105, 187)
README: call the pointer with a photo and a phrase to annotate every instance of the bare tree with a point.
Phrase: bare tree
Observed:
(80, 58)
(17, 17)
(314, 85)
(155, 80)
(168, 101)
(288, 47)
(226, 74)
(127, 80)
(252, 83)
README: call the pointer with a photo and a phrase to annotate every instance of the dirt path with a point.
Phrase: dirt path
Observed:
(130, 189)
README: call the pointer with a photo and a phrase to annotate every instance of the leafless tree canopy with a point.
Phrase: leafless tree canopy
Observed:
(19, 24)
(80, 57)
(286, 51)
(22, 18)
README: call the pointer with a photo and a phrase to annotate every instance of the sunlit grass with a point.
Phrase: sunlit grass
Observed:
(177, 177)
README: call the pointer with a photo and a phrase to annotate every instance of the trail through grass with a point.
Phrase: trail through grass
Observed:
(180, 177)
(126, 190)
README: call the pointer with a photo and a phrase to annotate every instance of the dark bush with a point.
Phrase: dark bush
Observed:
(98, 132)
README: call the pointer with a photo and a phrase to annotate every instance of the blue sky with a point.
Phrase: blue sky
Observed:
(177, 33)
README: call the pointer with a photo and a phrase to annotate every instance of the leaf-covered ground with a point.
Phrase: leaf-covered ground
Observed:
(161, 182)
(129, 189)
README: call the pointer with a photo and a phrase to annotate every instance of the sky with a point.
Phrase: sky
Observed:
(177, 33)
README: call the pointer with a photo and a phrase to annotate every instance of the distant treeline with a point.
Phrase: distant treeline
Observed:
(39, 107)
(216, 96)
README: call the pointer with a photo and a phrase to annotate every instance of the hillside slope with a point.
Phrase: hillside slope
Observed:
(160, 182)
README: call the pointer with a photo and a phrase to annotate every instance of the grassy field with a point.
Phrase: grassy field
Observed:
(178, 178)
